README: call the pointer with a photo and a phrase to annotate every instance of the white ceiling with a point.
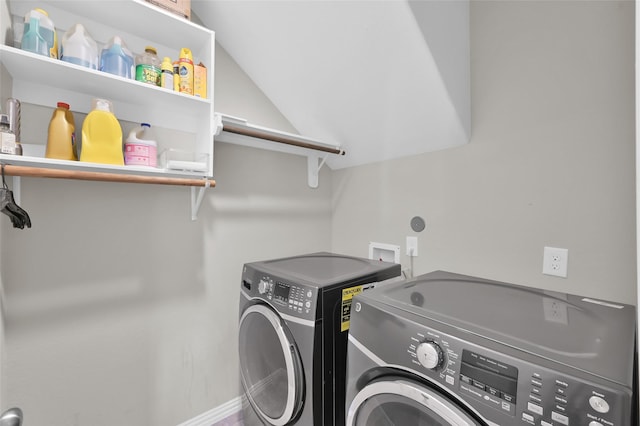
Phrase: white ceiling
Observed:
(381, 78)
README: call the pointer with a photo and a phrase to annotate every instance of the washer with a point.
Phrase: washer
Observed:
(449, 349)
(294, 319)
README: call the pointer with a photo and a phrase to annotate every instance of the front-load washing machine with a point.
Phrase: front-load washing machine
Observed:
(448, 349)
(294, 319)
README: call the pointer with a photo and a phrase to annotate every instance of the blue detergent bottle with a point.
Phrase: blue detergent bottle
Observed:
(116, 58)
(39, 34)
(32, 41)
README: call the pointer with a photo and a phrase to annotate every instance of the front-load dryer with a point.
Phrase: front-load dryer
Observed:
(448, 349)
(294, 319)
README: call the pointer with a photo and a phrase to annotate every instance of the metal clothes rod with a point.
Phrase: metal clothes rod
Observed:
(281, 139)
(13, 170)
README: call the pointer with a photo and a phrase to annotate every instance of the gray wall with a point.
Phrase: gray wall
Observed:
(118, 308)
(550, 162)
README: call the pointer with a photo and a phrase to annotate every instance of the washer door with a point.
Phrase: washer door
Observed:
(270, 366)
(397, 401)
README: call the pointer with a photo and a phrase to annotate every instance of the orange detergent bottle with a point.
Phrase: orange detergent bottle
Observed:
(102, 135)
(61, 138)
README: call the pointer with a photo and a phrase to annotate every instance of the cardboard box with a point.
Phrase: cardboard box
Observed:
(200, 80)
(179, 7)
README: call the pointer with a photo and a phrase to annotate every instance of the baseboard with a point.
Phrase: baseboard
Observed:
(216, 414)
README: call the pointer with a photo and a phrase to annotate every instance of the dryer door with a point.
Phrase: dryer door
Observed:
(270, 366)
(398, 401)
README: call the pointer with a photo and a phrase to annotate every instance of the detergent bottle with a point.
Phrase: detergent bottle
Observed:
(141, 148)
(61, 140)
(39, 34)
(78, 47)
(102, 135)
(116, 58)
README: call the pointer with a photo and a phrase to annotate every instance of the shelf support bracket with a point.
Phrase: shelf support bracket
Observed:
(196, 200)
(313, 169)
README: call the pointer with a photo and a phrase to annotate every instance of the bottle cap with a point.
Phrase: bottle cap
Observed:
(102, 105)
(4, 119)
(151, 49)
(63, 105)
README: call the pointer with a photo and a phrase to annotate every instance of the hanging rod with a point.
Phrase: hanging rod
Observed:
(13, 170)
(241, 127)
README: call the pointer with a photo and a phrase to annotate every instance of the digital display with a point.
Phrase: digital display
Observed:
(492, 376)
(281, 291)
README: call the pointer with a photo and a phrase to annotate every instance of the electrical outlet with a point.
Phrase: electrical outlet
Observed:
(554, 261)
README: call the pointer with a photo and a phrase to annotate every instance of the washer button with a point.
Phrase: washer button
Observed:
(309, 294)
(307, 304)
(599, 404)
(594, 423)
(559, 418)
(534, 408)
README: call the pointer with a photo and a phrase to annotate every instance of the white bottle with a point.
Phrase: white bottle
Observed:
(78, 47)
(141, 148)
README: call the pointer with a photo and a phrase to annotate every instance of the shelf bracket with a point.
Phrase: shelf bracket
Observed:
(313, 169)
(196, 200)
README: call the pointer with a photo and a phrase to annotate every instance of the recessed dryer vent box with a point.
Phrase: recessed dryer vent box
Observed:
(384, 252)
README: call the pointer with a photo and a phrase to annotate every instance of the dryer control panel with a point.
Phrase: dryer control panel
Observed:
(288, 298)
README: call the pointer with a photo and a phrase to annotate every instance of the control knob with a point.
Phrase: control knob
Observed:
(263, 286)
(430, 355)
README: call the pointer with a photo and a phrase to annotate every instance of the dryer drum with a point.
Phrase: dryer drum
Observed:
(270, 366)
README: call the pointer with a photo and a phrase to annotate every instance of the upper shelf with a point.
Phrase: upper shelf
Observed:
(44, 81)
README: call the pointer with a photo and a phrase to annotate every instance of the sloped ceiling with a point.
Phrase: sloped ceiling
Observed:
(382, 78)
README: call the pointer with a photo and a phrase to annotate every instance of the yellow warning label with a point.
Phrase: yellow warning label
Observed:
(347, 296)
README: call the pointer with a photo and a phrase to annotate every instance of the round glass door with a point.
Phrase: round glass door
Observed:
(395, 401)
(270, 366)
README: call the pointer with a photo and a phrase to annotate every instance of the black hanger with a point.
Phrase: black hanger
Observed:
(19, 217)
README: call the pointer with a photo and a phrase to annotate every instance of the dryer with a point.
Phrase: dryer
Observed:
(450, 349)
(294, 320)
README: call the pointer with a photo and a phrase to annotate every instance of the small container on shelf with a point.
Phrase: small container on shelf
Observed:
(182, 160)
(148, 66)
(141, 148)
(166, 78)
(8, 144)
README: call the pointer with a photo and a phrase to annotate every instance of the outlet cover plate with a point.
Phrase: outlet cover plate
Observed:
(555, 261)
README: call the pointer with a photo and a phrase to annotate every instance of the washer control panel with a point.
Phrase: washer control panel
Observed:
(512, 391)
